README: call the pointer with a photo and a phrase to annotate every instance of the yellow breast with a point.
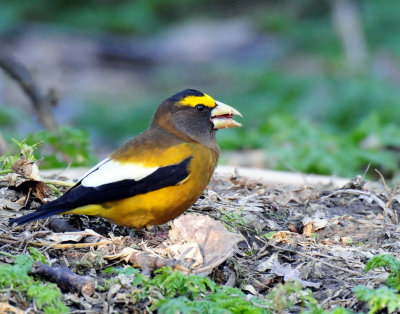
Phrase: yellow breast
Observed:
(159, 206)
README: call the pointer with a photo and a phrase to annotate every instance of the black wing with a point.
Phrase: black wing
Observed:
(80, 195)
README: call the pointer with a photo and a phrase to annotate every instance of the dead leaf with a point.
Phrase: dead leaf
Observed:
(267, 264)
(147, 261)
(312, 224)
(26, 176)
(196, 244)
(41, 190)
(7, 308)
(290, 274)
(292, 227)
(396, 197)
(271, 225)
(190, 251)
(12, 179)
(347, 240)
(65, 237)
(212, 195)
(27, 169)
(299, 195)
(308, 229)
(304, 194)
(254, 221)
(250, 289)
(281, 236)
(72, 236)
(7, 204)
(216, 243)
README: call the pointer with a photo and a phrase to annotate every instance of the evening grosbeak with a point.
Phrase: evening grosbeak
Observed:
(158, 174)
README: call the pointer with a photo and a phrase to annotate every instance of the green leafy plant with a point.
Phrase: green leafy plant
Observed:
(269, 235)
(127, 271)
(16, 278)
(37, 256)
(25, 151)
(391, 264)
(385, 296)
(173, 292)
(174, 283)
(63, 147)
(378, 299)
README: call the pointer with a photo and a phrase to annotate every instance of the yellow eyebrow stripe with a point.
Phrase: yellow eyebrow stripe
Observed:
(193, 101)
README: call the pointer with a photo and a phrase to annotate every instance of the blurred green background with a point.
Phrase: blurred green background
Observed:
(317, 81)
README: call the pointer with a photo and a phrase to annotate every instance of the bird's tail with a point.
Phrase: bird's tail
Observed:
(42, 212)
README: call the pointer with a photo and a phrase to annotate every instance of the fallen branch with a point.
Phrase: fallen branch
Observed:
(64, 278)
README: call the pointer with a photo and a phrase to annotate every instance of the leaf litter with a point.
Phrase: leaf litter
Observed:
(240, 233)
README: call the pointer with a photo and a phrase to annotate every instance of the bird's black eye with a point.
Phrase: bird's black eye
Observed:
(200, 107)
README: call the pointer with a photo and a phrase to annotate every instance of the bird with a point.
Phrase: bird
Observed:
(158, 174)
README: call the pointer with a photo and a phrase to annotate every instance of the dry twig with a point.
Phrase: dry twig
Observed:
(389, 195)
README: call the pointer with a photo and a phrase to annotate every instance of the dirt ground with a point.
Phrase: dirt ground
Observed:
(319, 235)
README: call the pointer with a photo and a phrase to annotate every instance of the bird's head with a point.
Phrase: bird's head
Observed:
(195, 114)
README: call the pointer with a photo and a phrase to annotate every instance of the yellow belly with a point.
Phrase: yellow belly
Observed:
(159, 206)
(152, 208)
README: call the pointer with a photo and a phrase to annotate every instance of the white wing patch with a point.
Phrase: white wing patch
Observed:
(94, 168)
(109, 171)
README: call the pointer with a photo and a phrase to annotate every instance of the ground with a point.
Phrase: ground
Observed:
(319, 235)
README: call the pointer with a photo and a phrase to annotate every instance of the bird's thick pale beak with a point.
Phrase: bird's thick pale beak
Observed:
(222, 116)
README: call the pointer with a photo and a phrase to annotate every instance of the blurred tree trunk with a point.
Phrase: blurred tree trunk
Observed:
(3, 145)
(41, 102)
(347, 22)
